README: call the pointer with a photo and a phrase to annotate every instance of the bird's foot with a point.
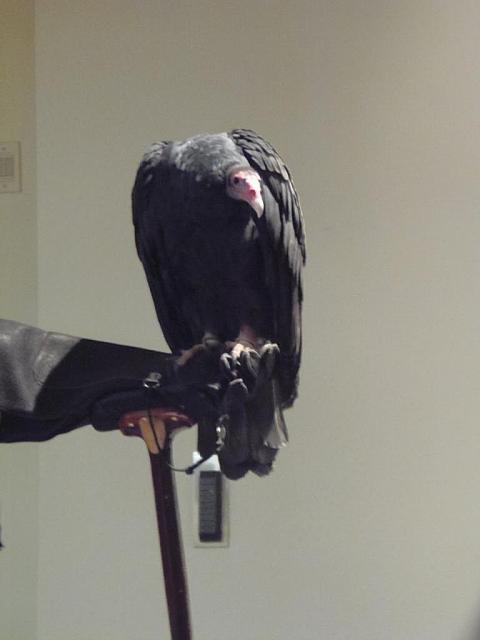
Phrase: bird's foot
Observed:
(209, 342)
(240, 360)
(241, 349)
(255, 365)
(243, 352)
(188, 354)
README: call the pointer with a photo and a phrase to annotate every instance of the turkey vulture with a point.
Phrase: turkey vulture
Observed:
(219, 230)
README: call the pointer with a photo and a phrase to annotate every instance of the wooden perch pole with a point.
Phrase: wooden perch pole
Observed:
(157, 428)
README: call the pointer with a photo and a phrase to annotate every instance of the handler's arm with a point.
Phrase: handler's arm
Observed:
(50, 383)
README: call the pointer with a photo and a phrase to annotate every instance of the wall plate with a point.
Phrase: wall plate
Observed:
(9, 167)
(208, 479)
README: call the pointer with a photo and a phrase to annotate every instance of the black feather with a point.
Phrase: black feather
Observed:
(283, 221)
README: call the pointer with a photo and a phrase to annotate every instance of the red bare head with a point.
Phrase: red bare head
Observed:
(245, 184)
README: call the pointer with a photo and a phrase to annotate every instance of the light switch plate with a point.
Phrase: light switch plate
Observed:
(9, 167)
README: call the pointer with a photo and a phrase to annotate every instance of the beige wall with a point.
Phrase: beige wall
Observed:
(18, 285)
(18, 237)
(369, 526)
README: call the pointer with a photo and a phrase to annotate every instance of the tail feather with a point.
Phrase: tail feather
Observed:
(266, 426)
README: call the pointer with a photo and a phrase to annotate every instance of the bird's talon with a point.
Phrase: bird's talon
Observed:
(268, 358)
(228, 364)
(250, 360)
(188, 354)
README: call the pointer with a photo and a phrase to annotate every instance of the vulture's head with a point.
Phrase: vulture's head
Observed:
(213, 161)
(245, 184)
